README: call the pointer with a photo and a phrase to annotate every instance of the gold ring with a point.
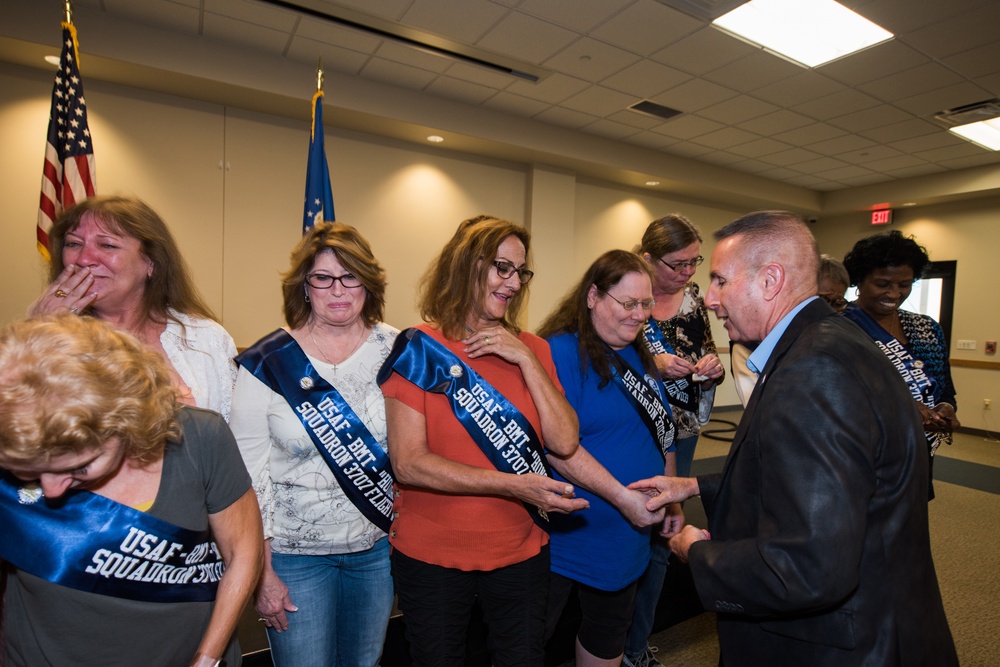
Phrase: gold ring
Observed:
(487, 339)
(61, 294)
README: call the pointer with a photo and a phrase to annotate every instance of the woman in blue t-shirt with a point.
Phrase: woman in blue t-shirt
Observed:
(611, 381)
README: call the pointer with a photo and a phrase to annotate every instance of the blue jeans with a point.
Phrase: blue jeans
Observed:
(647, 596)
(344, 603)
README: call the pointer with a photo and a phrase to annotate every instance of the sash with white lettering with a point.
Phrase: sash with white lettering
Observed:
(94, 544)
(503, 434)
(655, 414)
(361, 467)
(682, 392)
(923, 387)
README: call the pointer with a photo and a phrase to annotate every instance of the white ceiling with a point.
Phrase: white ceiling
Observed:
(865, 119)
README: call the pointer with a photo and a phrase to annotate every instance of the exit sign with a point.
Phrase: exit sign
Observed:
(883, 217)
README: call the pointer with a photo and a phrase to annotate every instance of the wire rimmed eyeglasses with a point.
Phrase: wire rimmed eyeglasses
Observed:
(680, 266)
(505, 270)
(631, 304)
(326, 281)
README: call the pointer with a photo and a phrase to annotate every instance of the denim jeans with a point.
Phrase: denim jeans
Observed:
(344, 603)
(647, 596)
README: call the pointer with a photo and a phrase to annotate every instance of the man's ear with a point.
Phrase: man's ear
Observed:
(773, 278)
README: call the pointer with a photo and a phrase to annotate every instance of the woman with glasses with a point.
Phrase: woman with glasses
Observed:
(473, 406)
(679, 334)
(611, 380)
(884, 268)
(310, 422)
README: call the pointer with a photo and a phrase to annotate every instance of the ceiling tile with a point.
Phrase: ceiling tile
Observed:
(481, 75)
(810, 134)
(915, 127)
(651, 140)
(725, 138)
(928, 104)
(864, 179)
(694, 95)
(754, 71)
(844, 144)
(976, 62)
(578, 15)
(526, 38)
(759, 147)
(723, 158)
(250, 12)
(922, 170)
(870, 154)
(645, 79)
(610, 129)
(599, 101)
(236, 31)
(963, 31)
(172, 15)
(463, 91)
(821, 164)
(703, 51)
(779, 121)
(687, 149)
(407, 55)
(984, 158)
(635, 119)
(516, 104)
(464, 20)
(868, 119)
(799, 88)
(904, 16)
(591, 60)
(334, 58)
(927, 142)
(893, 163)
(923, 79)
(331, 33)
(737, 109)
(687, 127)
(845, 102)
(552, 89)
(566, 117)
(879, 61)
(790, 157)
(951, 152)
(397, 74)
(644, 27)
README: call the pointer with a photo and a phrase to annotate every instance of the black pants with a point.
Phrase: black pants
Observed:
(437, 604)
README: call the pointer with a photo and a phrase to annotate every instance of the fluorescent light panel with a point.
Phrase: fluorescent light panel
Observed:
(810, 32)
(986, 133)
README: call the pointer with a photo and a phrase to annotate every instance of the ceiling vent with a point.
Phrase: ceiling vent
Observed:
(708, 10)
(969, 113)
(654, 109)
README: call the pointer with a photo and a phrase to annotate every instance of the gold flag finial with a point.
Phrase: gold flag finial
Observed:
(68, 6)
(319, 73)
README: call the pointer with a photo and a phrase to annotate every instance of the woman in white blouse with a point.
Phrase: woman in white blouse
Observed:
(310, 422)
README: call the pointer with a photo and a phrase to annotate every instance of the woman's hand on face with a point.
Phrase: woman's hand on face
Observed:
(673, 367)
(498, 341)
(69, 293)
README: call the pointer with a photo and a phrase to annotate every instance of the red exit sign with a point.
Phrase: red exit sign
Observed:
(883, 217)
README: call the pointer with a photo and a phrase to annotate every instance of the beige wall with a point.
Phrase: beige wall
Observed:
(230, 185)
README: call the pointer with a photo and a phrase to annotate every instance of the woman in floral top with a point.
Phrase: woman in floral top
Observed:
(686, 358)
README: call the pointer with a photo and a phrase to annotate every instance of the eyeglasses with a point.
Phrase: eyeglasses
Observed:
(630, 305)
(680, 266)
(838, 302)
(326, 281)
(505, 270)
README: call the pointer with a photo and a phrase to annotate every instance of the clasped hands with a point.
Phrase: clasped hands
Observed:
(664, 491)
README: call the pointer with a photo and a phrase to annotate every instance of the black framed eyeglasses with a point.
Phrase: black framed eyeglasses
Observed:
(838, 302)
(505, 270)
(326, 281)
(631, 304)
(680, 266)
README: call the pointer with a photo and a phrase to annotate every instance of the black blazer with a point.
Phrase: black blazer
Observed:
(820, 551)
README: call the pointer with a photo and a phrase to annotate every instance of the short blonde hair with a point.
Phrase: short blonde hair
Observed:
(456, 280)
(353, 251)
(68, 384)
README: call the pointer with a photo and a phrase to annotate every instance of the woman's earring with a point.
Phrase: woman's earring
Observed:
(306, 291)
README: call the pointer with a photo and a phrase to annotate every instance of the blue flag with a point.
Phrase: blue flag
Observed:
(319, 195)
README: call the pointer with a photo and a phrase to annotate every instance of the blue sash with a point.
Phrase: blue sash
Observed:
(923, 387)
(361, 467)
(94, 544)
(503, 434)
(655, 414)
(682, 392)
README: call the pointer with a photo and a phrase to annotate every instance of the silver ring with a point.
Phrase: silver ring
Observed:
(74, 310)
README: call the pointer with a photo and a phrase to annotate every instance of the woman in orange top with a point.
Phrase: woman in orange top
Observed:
(466, 527)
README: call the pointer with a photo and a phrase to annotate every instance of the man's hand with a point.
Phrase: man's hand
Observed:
(665, 490)
(682, 541)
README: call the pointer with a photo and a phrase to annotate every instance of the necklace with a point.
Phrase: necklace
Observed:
(361, 339)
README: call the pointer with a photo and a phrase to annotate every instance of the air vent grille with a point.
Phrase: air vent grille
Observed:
(654, 109)
(970, 113)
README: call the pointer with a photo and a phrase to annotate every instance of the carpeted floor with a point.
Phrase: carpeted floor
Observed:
(964, 518)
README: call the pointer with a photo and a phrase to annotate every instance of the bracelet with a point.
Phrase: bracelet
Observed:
(202, 660)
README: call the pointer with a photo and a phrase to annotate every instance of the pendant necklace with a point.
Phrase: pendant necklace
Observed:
(361, 340)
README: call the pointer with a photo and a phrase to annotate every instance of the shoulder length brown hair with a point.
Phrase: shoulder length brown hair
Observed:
(170, 285)
(455, 282)
(573, 316)
(352, 251)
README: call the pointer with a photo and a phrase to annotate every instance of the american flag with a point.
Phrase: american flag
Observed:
(319, 195)
(69, 175)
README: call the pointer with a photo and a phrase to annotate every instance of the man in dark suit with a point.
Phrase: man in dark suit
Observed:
(818, 549)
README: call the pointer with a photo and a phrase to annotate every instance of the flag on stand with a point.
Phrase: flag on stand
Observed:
(68, 175)
(319, 195)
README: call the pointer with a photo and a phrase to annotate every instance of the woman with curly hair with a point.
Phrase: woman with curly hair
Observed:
(130, 531)
(884, 268)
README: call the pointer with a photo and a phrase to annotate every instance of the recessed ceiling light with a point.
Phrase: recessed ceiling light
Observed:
(810, 32)
(435, 139)
(985, 133)
(652, 183)
(52, 60)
